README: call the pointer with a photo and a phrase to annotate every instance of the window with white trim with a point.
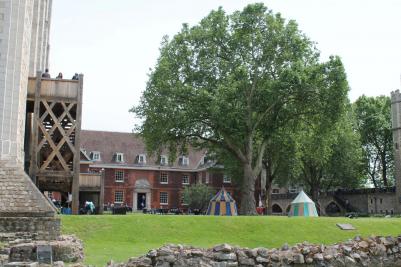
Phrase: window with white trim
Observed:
(119, 157)
(293, 189)
(118, 196)
(95, 156)
(226, 179)
(163, 160)
(183, 161)
(142, 159)
(119, 176)
(185, 179)
(163, 198)
(164, 178)
(207, 179)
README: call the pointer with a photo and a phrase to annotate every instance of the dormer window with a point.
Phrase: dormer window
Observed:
(206, 159)
(141, 159)
(119, 157)
(163, 160)
(95, 156)
(183, 161)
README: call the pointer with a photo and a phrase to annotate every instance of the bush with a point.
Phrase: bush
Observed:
(197, 197)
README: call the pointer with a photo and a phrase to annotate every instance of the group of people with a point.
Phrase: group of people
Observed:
(46, 74)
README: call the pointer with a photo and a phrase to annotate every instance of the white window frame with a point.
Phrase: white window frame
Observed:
(164, 197)
(278, 191)
(96, 156)
(226, 179)
(207, 178)
(115, 196)
(142, 159)
(165, 159)
(118, 154)
(117, 174)
(293, 189)
(184, 160)
(185, 181)
(164, 175)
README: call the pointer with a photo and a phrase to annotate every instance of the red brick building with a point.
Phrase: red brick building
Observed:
(134, 178)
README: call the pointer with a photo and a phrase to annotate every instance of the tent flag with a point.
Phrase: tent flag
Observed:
(222, 204)
(302, 205)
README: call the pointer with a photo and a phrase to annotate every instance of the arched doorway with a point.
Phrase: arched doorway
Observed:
(332, 209)
(276, 209)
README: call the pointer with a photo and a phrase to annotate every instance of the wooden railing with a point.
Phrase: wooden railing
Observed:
(54, 88)
(92, 180)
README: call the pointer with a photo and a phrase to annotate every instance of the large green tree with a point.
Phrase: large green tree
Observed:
(374, 125)
(330, 153)
(231, 80)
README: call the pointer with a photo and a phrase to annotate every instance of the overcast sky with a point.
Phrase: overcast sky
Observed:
(115, 42)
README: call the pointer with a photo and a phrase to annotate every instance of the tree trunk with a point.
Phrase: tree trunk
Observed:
(269, 196)
(315, 196)
(314, 191)
(384, 170)
(248, 204)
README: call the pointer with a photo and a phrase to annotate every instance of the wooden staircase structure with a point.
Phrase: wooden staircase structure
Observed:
(52, 134)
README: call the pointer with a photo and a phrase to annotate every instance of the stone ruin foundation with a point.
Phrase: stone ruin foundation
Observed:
(24, 212)
(373, 251)
(27, 220)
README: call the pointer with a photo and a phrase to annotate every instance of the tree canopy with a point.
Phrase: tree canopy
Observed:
(330, 154)
(232, 81)
(374, 125)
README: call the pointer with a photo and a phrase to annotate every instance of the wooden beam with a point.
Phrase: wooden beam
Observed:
(101, 195)
(33, 166)
(77, 156)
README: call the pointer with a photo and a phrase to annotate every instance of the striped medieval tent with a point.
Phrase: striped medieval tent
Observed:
(222, 204)
(302, 205)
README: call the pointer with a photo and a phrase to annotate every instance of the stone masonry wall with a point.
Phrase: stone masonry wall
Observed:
(34, 228)
(373, 251)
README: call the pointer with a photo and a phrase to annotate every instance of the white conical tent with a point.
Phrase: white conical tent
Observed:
(302, 205)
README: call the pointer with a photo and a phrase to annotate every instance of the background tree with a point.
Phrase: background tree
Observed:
(331, 154)
(197, 196)
(231, 80)
(280, 162)
(374, 126)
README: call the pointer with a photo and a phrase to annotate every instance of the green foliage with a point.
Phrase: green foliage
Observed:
(233, 80)
(122, 237)
(330, 153)
(374, 125)
(197, 196)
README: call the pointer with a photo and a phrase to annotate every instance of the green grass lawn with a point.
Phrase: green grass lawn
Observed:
(121, 237)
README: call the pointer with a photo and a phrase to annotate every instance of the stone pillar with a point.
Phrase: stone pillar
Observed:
(15, 38)
(22, 207)
(396, 127)
(24, 33)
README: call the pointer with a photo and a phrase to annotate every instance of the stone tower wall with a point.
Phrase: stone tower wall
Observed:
(396, 125)
(24, 28)
(24, 34)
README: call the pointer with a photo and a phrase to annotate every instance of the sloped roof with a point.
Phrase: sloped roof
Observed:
(302, 198)
(131, 145)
